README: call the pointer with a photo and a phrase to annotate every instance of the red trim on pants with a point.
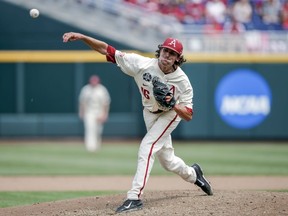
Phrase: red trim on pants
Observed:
(150, 153)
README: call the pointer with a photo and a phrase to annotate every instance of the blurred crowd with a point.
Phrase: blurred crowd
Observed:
(223, 15)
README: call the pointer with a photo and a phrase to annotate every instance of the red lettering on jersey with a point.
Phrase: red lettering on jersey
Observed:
(145, 93)
(172, 89)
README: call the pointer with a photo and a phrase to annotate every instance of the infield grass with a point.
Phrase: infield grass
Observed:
(120, 158)
(8, 199)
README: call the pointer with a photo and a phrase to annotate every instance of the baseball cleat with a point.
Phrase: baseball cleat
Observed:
(201, 181)
(130, 205)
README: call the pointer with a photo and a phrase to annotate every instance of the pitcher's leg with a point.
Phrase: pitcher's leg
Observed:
(144, 166)
(152, 142)
(172, 163)
(193, 174)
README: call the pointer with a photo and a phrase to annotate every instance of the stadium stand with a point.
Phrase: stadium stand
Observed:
(255, 14)
(207, 26)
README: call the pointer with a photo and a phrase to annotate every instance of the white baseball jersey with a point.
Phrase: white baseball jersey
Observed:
(144, 69)
(95, 98)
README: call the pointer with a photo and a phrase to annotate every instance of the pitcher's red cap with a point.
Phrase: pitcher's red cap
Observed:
(173, 44)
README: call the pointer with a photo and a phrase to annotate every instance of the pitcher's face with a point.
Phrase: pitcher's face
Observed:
(167, 57)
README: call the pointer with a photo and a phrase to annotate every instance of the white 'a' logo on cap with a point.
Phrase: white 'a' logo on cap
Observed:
(173, 42)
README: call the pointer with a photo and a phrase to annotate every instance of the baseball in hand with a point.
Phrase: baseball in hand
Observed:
(34, 13)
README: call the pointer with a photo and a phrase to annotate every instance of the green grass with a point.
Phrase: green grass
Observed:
(8, 199)
(56, 158)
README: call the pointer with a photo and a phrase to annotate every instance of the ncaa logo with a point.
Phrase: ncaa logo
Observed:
(243, 99)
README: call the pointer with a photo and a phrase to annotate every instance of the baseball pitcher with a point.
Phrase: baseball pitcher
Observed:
(167, 98)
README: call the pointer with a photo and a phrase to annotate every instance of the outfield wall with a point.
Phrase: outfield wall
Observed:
(39, 93)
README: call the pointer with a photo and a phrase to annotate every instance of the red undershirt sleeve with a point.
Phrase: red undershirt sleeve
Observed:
(110, 57)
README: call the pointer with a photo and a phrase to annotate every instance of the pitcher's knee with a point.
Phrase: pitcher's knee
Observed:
(167, 165)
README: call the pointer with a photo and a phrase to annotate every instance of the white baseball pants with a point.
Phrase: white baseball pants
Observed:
(158, 141)
(93, 132)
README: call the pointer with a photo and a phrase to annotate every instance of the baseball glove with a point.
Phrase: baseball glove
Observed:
(161, 92)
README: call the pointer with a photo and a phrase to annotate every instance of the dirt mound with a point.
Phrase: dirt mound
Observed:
(164, 196)
(166, 203)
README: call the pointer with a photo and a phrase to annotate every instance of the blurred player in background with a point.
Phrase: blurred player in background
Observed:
(160, 121)
(94, 104)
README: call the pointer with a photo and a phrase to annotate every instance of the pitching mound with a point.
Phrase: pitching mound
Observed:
(166, 203)
(164, 196)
